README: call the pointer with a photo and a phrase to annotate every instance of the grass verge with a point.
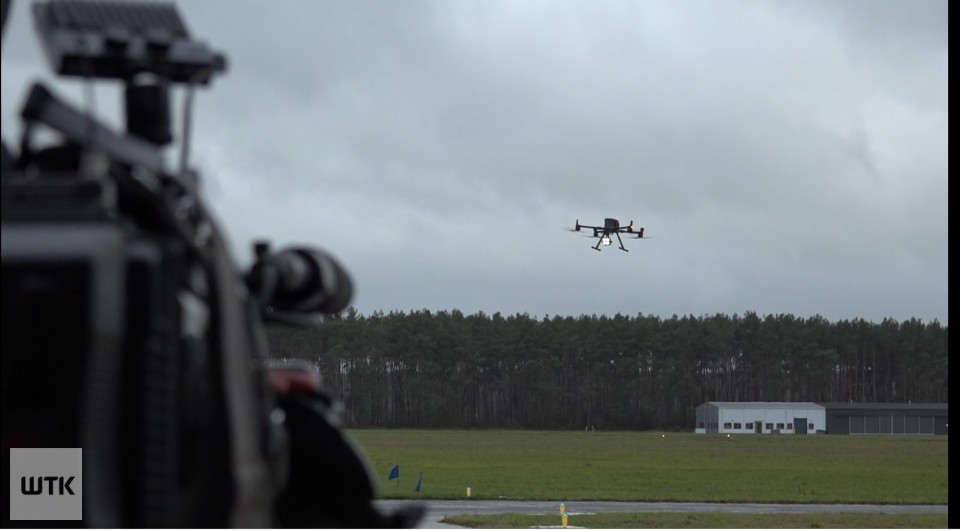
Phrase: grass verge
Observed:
(702, 520)
(646, 466)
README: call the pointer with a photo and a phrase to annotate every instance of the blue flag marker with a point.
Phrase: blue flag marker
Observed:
(394, 472)
(419, 482)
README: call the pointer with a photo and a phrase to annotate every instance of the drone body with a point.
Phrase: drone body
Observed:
(610, 227)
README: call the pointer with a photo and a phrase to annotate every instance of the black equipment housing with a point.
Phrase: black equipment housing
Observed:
(128, 330)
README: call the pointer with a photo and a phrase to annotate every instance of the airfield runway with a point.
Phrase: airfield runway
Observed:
(437, 510)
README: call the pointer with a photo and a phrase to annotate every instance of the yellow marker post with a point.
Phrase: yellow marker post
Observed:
(563, 520)
(468, 491)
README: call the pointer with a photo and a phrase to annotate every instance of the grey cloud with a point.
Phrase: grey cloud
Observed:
(789, 157)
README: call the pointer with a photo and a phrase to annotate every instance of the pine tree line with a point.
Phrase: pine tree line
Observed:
(425, 369)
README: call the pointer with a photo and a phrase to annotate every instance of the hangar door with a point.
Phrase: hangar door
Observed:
(906, 424)
(800, 425)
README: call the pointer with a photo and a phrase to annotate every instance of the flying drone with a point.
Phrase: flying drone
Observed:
(610, 227)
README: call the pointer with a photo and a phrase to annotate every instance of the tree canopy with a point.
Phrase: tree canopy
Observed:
(424, 369)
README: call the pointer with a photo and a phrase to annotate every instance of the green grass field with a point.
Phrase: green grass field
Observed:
(645, 466)
(705, 520)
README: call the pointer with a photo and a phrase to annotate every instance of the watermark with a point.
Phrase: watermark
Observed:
(46, 484)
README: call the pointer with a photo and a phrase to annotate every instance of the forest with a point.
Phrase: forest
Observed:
(423, 369)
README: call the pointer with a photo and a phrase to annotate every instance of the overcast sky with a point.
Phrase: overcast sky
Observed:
(784, 156)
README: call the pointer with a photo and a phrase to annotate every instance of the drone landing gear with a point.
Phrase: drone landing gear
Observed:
(605, 240)
(621, 243)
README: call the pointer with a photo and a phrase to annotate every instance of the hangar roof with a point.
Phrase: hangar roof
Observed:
(766, 404)
(844, 406)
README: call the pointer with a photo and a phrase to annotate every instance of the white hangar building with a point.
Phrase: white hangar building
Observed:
(760, 417)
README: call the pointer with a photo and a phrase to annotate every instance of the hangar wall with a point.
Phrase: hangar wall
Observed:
(760, 417)
(886, 418)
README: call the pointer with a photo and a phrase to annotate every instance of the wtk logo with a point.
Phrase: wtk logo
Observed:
(50, 484)
(51, 481)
